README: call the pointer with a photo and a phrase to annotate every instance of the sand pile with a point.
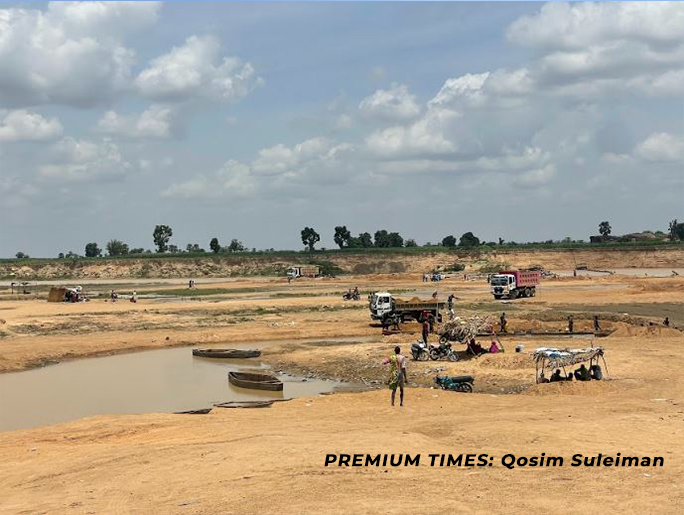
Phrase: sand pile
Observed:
(647, 330)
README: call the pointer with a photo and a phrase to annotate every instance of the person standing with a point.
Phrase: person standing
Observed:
(450, 305)
(597, 325)
(504, 323)
(426, 329)
(571, 324)
(666, 322)
(397, 374)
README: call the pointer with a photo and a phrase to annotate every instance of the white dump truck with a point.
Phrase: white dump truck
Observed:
(384, 305)
(303, 271)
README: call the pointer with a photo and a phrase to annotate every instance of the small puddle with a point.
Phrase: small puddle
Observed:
(156, 381)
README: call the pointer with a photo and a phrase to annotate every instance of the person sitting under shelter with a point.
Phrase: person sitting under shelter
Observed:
(542, 378)
(582, 374)
(556, 377)
(596, 373)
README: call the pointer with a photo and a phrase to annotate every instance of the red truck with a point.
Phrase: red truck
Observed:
(515, 283)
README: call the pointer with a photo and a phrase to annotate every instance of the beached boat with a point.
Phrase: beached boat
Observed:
(227, 353)
(255, 381)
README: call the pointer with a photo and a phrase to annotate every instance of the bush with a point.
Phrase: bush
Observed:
(455, 267)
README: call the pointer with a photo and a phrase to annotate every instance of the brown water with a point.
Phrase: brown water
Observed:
(158, 381)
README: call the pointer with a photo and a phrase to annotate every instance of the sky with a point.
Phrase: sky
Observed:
(525, 121)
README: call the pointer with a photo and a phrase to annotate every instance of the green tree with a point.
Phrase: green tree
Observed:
(411, 243)
(395, 240)
(161, 235)
(310, 237)
(173, 249)
(342, 236)
(605, 229)
(138, 250)
(60, 255)
(21, 255)
(676, 230)
(365, 240)
(381, 238)
(92, 250)
(469, 240)
(116, 248)
(235, 246)
(215, 246)
(449, 241)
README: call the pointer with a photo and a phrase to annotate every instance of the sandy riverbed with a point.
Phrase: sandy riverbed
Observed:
(272, 460)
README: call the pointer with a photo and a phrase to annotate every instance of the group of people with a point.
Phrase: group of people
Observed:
(581, 374)
(476, 349)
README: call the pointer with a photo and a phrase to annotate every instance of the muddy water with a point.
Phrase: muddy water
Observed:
(158, 381)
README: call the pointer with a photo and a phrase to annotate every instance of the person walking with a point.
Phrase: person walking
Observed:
(571, 324)
(503, 323)
(597, 325)
(666, 322)
(397, 374)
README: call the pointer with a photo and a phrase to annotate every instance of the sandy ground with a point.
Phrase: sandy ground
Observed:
(272, 460)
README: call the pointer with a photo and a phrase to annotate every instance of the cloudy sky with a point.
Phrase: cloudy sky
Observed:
(525, 121)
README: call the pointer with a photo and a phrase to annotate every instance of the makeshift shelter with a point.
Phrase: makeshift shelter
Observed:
(57, 294)
(560, 358)
(463, 329)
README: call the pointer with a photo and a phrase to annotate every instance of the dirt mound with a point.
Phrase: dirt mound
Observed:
(589, 388)
(507, 361)
(648, 330)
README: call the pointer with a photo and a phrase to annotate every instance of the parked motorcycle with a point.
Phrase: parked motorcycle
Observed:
(443, 351)
(351, 296)
(456, 384)
(420, 351)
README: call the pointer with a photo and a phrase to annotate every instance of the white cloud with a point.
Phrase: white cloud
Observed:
(157, 121)
(196, 70)
(315, 153)
(535, 178)
(22, 125)
(560, 25)
(83, 160)
(232, 180)
(71, 53)
(662, 147)
(466, 88)
(315, 160)
(394, 103)
(424, 137)
(513, 160)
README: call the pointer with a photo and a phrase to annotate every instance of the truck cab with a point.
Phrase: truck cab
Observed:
(502, 285)
(380, 304)
(293, 272)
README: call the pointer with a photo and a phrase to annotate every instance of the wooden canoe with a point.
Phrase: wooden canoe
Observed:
(255, 381)
(227, 353)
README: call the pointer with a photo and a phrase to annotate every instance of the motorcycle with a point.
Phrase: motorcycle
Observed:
(419, 351)
(351, 296)
(456, 384)
(443, 351)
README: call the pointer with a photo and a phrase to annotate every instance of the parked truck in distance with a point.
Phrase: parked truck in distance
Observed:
(303, 271)
(512, 284)
(384, 306)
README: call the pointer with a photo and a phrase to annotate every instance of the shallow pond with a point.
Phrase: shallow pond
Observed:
(156, 381)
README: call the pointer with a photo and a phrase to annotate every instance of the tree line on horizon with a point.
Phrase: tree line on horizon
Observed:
(343, 238)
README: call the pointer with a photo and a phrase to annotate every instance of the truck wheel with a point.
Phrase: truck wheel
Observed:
(533, 291)
(497, 297)
(513, 294)
(527, 292)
